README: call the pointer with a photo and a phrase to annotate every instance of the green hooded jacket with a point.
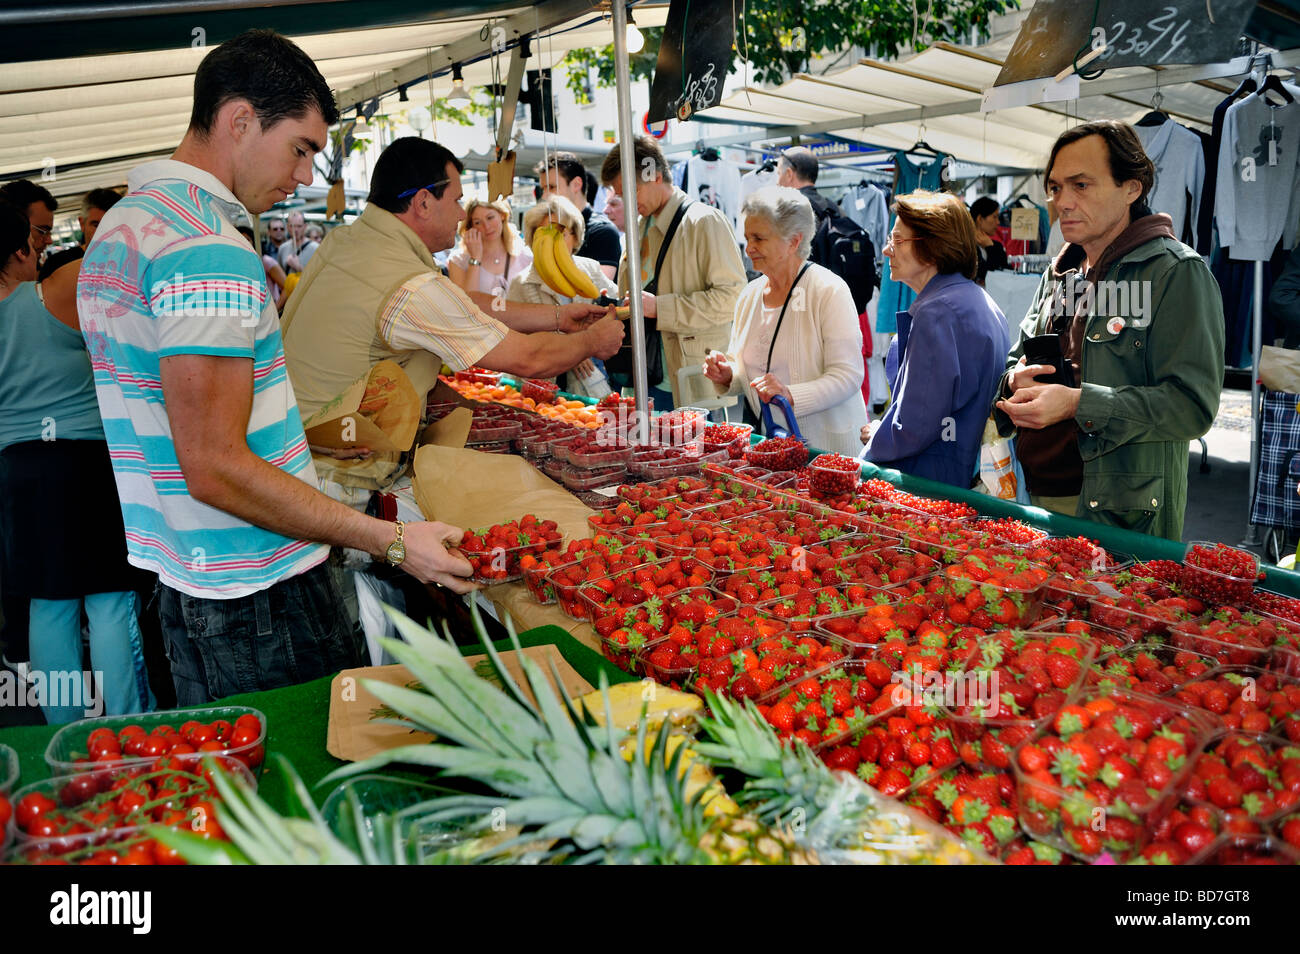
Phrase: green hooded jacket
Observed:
(1151, 383)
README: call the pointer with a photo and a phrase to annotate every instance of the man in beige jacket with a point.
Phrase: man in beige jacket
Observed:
(702, 275)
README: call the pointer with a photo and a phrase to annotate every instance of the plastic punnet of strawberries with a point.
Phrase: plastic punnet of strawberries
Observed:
(494, 552)
(1219, 573)
(1111, 754)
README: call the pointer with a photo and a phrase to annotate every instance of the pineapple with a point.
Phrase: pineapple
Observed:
(557, 777)
(628, 700)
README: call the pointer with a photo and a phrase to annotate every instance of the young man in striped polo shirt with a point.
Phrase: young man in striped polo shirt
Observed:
(213, 470)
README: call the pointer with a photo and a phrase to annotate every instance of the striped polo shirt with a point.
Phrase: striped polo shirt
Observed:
(168, 274)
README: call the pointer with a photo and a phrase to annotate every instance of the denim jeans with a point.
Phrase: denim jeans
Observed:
(116, 651)
(295, 631)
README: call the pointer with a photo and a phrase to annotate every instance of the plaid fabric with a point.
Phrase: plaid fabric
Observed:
(1276, 502)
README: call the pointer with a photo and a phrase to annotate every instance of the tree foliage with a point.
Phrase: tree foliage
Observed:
(780, 38)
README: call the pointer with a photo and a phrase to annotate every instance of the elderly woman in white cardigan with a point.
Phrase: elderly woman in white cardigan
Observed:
(528, 286)
(811, 354)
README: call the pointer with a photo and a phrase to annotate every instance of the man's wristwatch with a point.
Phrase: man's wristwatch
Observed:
(396, 551)
(474, 261)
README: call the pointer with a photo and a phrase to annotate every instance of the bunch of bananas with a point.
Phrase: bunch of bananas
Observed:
(555, 265)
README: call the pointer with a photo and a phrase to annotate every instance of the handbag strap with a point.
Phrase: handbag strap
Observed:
(781, 317)
(663, 247)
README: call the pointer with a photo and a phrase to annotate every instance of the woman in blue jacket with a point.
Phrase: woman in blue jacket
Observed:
(951, 347)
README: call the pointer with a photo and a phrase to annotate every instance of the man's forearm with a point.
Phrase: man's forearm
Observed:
(518, 315)
(554, 353)
(247, 487)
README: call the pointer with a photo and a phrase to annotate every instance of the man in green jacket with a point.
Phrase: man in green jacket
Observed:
(1139, 322)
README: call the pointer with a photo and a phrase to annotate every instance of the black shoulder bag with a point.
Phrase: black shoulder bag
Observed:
(620, 365)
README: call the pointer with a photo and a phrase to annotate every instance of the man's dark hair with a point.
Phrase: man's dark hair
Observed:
(984, 205)
(267, 69)
(24, 192)
(410, 163)
(569, 165)
(643, 148)
(15, 230)
(102, 199)
(1128, 160)
(802, 161)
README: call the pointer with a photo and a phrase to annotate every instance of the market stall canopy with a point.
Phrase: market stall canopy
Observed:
(81, 121)
(941, 92)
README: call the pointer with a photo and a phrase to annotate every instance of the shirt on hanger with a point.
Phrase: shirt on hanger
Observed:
(715, 182)
(1180, 173)
(1258, 166)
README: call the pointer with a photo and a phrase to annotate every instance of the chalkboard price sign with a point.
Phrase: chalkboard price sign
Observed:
(1129, 32)
(693, 58)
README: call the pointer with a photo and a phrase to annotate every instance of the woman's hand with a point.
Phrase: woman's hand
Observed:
(869, 431)
(769, 387)
(717, 368)
(474, 244)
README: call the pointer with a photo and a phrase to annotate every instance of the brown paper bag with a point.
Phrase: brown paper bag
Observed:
(471, 490)
(501, 177)
(380, 411)
(450, 431)
(353, 734)
(1279, 369)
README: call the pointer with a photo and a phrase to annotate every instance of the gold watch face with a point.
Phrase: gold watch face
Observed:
(396, 552)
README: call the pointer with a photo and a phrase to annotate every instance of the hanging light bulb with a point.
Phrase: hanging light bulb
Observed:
(361, 129)
(458, 94)
(635, 39)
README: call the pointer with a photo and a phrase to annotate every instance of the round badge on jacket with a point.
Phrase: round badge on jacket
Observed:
(1115, 325)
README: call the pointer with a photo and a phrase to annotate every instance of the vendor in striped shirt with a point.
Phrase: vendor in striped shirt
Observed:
(213, 470)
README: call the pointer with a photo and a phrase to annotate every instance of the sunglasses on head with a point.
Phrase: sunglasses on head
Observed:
(431, 186)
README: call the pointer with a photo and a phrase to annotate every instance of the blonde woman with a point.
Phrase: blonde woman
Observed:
(490, 253)
(529, 287)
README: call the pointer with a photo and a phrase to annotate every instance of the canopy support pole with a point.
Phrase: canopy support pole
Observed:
(1252, 538)
(629, 172)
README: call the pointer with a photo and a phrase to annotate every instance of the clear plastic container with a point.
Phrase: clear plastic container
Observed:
(886, 568)
(478, 376)
(554, 468)
(1247, 850)
(831, 481)
(596, 500)
(1222, 646)
(597, 601)
(787, 456)
(596, 457)
(682, 425)
(675, 676)
(66, 753)
(500, 447)
(1155, 669)
(437, 410)
(501, 564)
(541, 392)
(1048, 809)
(715, 438)
(1273, 752)
(996, 657)
(1214, 586)
(581, 478)
(1108, 640)
(856, 543)
(71, 792)
(8, 769)
(1145, 622)
(995, 529)
(721, 513)
(1014, 606)
(683, 466)
(493, 431)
